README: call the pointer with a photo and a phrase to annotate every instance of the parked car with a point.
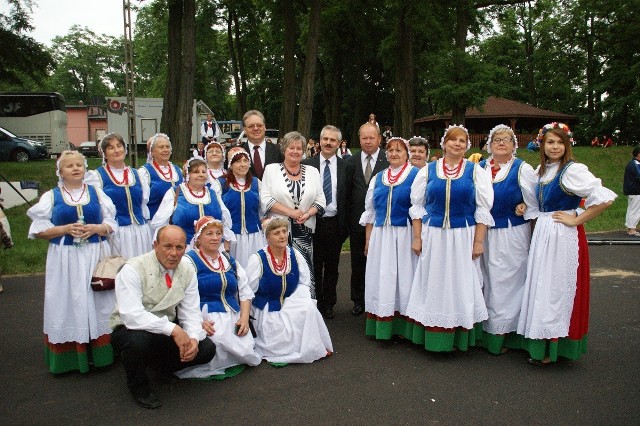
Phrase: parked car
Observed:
(89, 149)
(230, 138)
(14, 148)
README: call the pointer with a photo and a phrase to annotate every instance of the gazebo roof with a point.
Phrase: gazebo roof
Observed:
(503, 108)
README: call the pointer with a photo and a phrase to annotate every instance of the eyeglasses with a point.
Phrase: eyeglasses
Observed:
(504, 140)
(255, 126)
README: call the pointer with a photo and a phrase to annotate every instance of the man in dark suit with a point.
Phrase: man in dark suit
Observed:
(261, 152)
(332, 229)
(370, 161)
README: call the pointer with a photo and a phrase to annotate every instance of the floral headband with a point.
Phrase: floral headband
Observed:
(200, 225)
(499, 129)
(455, 126)
(554, 125)
(404, 142)
(65, 155)
(153, 140)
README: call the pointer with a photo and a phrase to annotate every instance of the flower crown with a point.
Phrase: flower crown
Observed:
(499, 129)
(554, 125)
(455, 126)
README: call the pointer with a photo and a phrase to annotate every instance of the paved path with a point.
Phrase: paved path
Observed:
(365, 382)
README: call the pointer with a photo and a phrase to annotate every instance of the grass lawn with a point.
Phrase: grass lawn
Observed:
(28, 256)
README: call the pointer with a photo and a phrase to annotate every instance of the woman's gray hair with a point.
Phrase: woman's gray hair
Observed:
(291, 138)
(332, 129)
(275, 223)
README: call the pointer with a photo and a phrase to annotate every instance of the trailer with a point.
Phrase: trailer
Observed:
(148, 116)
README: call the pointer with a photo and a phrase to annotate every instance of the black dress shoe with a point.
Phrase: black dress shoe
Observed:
(328, 313)
(357, 310)
(147, 400)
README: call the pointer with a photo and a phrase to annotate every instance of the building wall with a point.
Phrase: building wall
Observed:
(97, 128)
(77, 125)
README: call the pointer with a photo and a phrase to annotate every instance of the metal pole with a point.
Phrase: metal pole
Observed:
(129, 83)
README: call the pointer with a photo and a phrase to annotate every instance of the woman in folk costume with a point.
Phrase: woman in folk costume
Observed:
(159, 174)
(225, 299)
(289, 327)
(504, 261)
(390, 260)
(241, 195)
(76, 318)
(554, 315)
(129, 194)
(192, 200)
(214, 156)
(451, 203)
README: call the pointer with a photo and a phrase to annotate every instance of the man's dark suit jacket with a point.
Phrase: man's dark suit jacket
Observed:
(359, 187)
(343, 186)
(272, 155)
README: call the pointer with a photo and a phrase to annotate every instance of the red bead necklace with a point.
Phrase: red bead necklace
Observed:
(125, 178)
(242, 187)
(454, 172)
(278, 268)
(166, 176)
(204, 191)
(393, 179)
(209, 264)
(84, 188)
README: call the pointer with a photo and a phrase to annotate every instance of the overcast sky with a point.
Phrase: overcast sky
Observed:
(54, 17)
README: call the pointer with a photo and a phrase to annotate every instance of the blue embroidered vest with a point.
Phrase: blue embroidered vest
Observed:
(552, 196)
(450, 203)
(218, 289)
(158, 186)
(272, 288)
(185, 214)
(392, 203)
(126, 198)
(507, 194)
(63, 213)
(244, 207)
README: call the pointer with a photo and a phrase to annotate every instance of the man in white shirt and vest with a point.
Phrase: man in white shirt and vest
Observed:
(157, 320)
(209, 130)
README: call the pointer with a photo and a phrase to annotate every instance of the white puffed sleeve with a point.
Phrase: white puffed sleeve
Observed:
(369, 213)
(418, 194)
(146, 191)
(92, 177)
(484, 195)
(108, 210)
(528, 183)
(40, 215)
(580, 181)
(144, 176)
(244, 291)
(227, 222)
(254, 271)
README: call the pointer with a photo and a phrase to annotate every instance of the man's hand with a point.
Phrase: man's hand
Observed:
(184, 343)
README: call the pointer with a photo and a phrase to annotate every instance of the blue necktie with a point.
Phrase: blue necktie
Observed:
(326, 182)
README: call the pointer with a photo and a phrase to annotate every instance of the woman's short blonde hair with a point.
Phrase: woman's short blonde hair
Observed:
(275, 223)
(291, 138)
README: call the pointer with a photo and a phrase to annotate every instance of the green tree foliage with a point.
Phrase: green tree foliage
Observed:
(24, 63)
(89, 66)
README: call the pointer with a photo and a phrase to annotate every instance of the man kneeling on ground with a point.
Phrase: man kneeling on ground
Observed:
(157, 320)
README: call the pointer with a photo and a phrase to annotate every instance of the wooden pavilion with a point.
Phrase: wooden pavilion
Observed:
(524, 119)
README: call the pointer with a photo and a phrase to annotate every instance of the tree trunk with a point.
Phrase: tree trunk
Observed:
(459, 110)
(288, 111)
(234, 62)
(404, 77)
(305, 111)
(241, 68)
(177, 109)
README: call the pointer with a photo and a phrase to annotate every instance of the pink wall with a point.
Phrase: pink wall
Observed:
(77, 125)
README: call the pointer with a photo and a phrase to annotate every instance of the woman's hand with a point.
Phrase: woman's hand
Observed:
(208, 326)
(478, 249)
(302, 217)
(565, 218)
(416, 246)
(74, 229)
(521, 209)
(242, 327)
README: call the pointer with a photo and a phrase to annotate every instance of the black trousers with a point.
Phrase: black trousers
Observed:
(327, 245)
(140, 349)
(358, 264)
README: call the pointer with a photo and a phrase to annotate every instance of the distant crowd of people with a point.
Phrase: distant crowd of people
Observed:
(233, 258)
